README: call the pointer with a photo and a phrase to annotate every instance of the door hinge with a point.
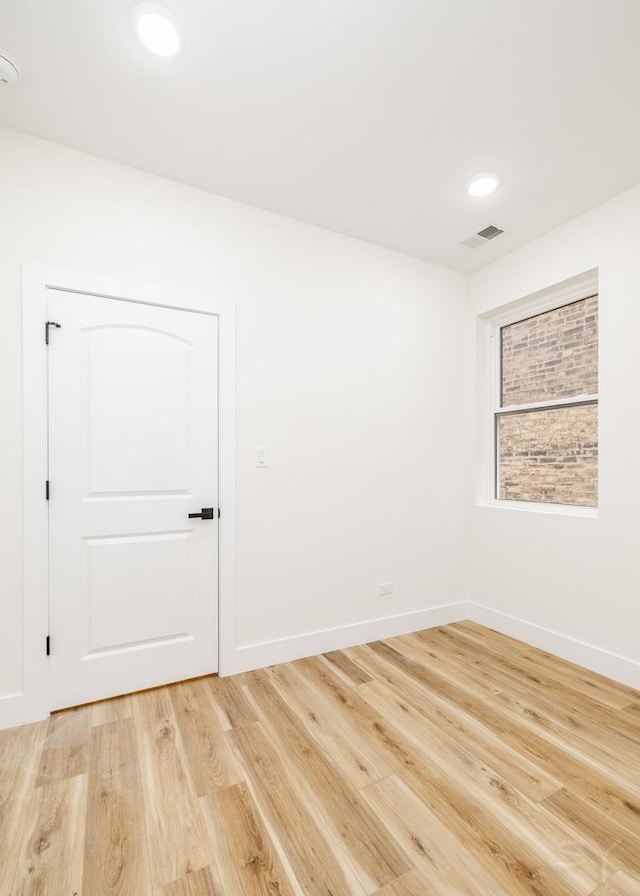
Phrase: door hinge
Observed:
(218, 513)
(46, 490)
(48, 645)
(48, 324)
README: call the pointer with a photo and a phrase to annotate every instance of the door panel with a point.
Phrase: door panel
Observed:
(136, 437)
(132, 451)
(138, 589)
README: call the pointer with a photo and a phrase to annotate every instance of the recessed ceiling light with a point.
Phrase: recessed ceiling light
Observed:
(156, 29)
(483, 185)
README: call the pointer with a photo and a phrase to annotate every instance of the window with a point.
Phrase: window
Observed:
(546, 414)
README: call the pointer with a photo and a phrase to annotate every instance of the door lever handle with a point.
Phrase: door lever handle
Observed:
(205, 514)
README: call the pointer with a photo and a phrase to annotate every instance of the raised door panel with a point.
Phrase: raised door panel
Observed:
(139, 590)
(136, 426)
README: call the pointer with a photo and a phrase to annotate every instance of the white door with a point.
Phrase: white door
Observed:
(133, 450)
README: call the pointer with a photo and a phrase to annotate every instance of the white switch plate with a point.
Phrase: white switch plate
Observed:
(262, 456)
(385, 588)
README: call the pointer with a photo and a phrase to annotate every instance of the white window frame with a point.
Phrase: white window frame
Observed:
(490, 325)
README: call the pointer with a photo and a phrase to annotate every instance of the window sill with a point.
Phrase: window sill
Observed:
(531, 507)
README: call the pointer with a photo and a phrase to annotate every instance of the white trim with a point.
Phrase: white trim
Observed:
(550, 404)
(574, 289)
(592, 658)
(34, 474)
(268, 653)
(35, 282)
(537, 507)
(11, 710)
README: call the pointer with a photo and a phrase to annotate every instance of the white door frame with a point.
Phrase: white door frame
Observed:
(36, 280)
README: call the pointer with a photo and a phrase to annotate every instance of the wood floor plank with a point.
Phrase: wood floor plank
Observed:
(355, 673)
(486, 745)
(437, 853)
(111, 710)
(515, 861)
(580, 712)
(520, 818)
(358, 761)
(50, 859)
(210, 762)
(65, 752)
(196, 883)
(314, 864)
(230, 702)
(172, 813)
(590, 684)
(507, 671)
(583, 774)
(599, 827)
(632, 712)
(246, 859)
(442, 662)
(116, 858)
(619, 755)
(367, 845)
(20, 750)
(620, 884)
(446, 687)
(580, 707)
(451, 762)
(411, 884)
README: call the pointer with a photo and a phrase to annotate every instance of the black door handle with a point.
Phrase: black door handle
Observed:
(205, 514)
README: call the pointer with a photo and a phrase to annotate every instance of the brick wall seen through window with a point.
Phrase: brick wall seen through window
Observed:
(550, 454)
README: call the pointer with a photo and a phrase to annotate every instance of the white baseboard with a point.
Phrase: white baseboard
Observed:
(596, 659)
(269, 653)
(11, 710)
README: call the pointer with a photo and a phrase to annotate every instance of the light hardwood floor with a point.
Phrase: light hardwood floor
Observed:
(452, 762)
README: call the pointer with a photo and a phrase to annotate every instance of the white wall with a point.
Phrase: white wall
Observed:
(345, 370)
(356, 368)
(565, 582)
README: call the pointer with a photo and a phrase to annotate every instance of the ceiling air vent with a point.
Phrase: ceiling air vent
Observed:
(482, 237)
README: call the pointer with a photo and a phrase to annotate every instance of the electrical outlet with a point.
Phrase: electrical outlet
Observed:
(385, 588)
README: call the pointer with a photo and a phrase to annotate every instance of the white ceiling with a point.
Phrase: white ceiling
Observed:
(366, 117)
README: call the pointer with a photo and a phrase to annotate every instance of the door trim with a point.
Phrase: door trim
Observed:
(36, 280)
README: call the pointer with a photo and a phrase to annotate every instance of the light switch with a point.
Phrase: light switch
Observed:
(262, 457)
